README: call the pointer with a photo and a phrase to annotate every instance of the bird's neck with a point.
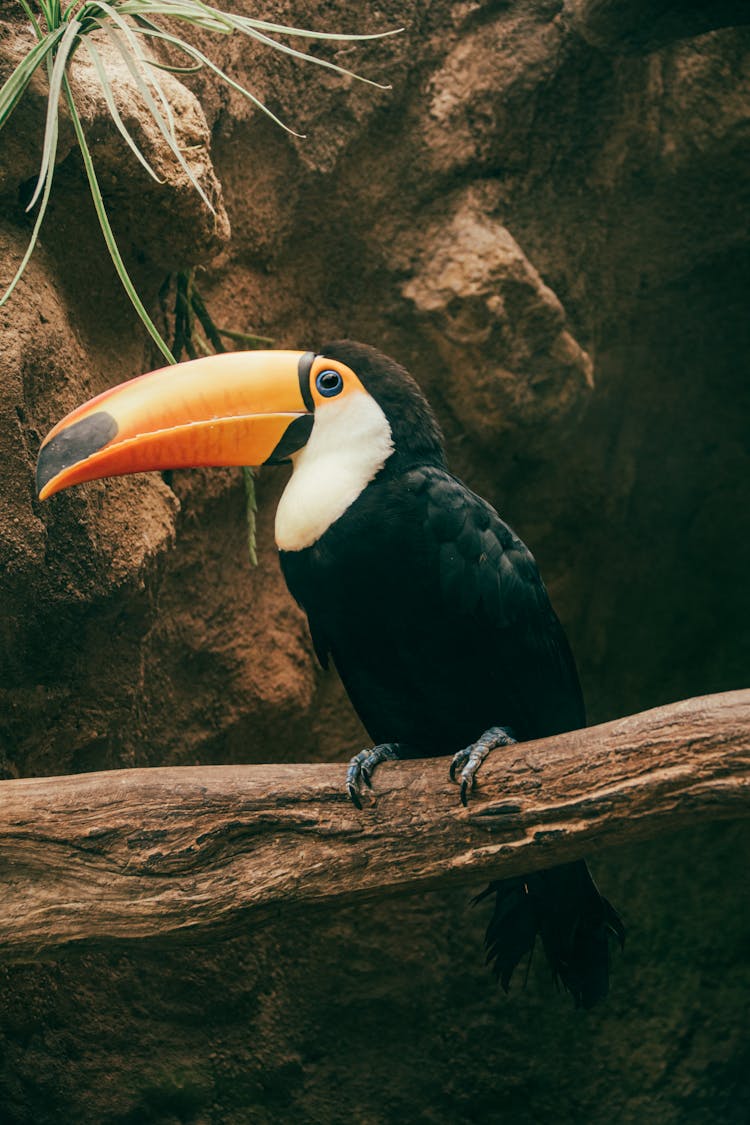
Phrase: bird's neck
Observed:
(347, 448)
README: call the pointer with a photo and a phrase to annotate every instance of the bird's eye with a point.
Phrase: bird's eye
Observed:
(329, 383)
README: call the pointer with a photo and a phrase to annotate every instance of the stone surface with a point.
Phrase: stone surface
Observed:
(642, 25)
(134, 632)
(497, 327)
(168, 220)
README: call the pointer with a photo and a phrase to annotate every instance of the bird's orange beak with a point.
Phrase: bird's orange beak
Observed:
(239, 408)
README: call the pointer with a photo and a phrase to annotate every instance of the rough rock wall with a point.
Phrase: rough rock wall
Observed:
(530, 207)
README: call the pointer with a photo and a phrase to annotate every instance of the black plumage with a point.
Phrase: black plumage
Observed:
(439, 624)
(435, 616)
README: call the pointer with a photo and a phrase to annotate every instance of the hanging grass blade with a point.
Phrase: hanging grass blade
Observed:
(64, 52)
(248, 339)
(39, 220)
(199, 308)
(154, 111)
(186, 13)
(180, 9)
(32, 19)
(183, 314)
(42, 207)
(267, 41)
(109, 237)
(251, 511)
(175, 69)
(113, 110)
(193, 52)
(131, 61)
(137, 57)
(198, 12)
(48, 13)
(17, 82)
(184, 10)
(334, 36)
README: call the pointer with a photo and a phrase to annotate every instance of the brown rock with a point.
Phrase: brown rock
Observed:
(498, 328)
(642, 25)
(151, 214)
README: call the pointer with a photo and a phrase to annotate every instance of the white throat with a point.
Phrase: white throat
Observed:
(350, 442)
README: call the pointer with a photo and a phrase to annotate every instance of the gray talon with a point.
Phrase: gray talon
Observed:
(353, 775)
(471, 757)
(459, 760)
(362, 765)
(354, 796)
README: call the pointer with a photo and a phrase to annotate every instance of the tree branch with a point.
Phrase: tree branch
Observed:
(155, 853)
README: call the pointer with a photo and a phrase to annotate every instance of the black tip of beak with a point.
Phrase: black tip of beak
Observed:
(73, 444)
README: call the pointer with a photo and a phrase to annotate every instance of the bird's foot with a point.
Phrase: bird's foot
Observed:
(471, 757)
(362, 765)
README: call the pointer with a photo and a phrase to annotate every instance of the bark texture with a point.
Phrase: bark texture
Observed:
(151, 853)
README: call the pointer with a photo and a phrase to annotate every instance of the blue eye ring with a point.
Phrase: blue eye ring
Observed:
(329, 382)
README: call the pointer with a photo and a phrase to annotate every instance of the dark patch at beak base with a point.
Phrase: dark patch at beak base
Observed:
(294, 437)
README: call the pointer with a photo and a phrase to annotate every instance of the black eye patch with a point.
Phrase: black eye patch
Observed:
(303, 373)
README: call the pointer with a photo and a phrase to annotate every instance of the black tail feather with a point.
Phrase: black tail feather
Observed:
(513, 927)
(573, 920)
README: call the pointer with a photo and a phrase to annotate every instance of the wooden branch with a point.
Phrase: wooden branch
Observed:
(155, 853)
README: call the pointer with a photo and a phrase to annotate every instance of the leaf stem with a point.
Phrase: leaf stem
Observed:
(109, 237)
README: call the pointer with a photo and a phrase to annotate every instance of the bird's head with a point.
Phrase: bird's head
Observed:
(340, 416)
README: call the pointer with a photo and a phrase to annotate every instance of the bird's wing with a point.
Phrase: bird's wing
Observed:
(488, 576)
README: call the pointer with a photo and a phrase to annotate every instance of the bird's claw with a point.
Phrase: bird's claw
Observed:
(353, 776)
(459, 759)
(471, 757)
(361, 768)
(354, 796)
(468, 761)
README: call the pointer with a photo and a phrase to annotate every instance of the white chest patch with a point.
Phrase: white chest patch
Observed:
(349, 444)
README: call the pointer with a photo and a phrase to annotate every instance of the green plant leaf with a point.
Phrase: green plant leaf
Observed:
(176, 69)
(313, 59)
(247, 339)
(39, 220)
(192, 11)
(32, 19)
(185, 14)
(56, 45)
(64, 51)
(113, 110)
(137, 57)
(200, 57)
(109, 237)
(17, 82)
(199, 308)
(182, 9)
(164, 129)
(282, 29)
(48, 11)
(251, 510)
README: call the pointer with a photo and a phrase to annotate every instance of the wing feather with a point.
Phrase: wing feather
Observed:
(489, 575)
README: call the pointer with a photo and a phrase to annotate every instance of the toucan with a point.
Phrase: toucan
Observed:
(430, 607)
